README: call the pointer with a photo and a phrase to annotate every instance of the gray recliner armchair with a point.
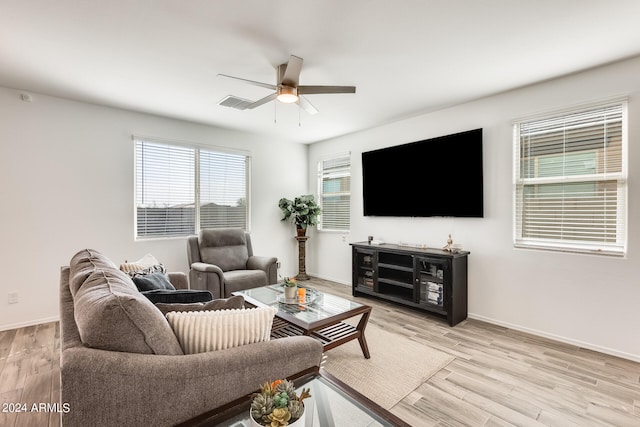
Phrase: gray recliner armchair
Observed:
(222, 262)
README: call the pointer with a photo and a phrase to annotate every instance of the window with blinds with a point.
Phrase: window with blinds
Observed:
(181, 189)
(570, 181)
(334, 189)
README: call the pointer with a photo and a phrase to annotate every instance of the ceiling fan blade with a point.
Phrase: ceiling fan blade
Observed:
(262, 101)
(265, 85)
(306, 105)
(312, 90)
(291, 74)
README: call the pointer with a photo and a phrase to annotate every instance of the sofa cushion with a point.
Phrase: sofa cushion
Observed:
(153, 281)
(226, 248)
(202, 331)
(112, 315)
(234, 302)
(84, 263)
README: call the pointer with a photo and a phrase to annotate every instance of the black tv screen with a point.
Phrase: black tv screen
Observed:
(434, 177)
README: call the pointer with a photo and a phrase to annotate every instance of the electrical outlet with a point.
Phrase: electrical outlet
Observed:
(13, 298)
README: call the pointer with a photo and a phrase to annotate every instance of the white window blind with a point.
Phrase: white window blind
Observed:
(223, 190)
(570, 181)
(181, 189)
(334, 188)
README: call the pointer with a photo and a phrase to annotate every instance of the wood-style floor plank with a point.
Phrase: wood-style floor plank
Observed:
(503, 377)
(499, 377)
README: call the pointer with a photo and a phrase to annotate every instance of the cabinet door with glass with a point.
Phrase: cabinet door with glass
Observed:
(364, 270)
(432, 277)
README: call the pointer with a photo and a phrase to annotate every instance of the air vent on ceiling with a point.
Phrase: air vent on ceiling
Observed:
(235, 102)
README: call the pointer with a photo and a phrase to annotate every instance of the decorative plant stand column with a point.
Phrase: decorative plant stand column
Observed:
(302, 255)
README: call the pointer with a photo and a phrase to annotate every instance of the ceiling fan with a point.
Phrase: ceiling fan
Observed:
(286, 89)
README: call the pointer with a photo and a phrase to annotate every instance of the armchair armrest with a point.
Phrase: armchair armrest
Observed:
(260, 262)
(266, 264)
(203, 267)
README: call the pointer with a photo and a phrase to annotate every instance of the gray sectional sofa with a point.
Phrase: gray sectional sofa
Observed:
(122, 365)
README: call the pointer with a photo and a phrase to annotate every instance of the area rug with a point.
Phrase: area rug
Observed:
(397, 365)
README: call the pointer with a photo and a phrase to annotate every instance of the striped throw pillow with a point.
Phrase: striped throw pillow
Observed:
(202, 331)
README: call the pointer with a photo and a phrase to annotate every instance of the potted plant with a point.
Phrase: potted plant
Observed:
(290, 288)
(277, 404)
(302, 211)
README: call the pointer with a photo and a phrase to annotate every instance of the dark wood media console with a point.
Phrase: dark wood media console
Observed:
(432, 280)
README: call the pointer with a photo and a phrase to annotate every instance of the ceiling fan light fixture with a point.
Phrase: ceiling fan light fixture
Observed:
(287, 94)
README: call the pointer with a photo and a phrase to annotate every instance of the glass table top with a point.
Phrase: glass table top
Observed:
(317, 305)
(327, 406)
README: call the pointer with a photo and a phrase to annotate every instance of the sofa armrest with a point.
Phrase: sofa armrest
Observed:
(179, 280)
(126, 389)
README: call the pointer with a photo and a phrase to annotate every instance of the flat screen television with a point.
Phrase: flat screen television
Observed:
(435, 177)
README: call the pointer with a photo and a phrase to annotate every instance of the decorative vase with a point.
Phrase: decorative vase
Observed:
(291, 292)
(301, 231)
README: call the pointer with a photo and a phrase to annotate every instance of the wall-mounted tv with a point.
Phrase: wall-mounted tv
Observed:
(435, 177)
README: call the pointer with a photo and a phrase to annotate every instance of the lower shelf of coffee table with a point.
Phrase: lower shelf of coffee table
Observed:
(330, 337)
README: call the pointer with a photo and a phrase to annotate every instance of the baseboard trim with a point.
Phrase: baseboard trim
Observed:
(331, 279)
(29, 323)
(582, 344)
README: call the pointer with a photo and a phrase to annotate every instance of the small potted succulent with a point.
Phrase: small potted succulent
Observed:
(290, 288)
(277, 404)
(302, 211)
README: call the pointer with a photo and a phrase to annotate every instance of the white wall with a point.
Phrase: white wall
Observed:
(66, 183)
(587, 300)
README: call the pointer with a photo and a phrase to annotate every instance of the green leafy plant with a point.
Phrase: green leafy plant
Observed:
(302, 211)
(277, 404)
(290, 282)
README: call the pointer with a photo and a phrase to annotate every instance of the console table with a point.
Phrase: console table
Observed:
(432, 280)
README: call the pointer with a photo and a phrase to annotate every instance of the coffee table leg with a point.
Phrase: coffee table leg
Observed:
(362, 324)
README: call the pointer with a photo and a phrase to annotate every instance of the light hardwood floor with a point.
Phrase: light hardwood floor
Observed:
(499, 377)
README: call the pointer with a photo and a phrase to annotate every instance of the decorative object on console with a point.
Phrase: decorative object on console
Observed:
(449, 246)
(277, 404)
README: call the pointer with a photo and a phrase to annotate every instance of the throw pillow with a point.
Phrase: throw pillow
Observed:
(153, 281)
(234, 302)
(202, 331)
(148, 264)
(177, 296)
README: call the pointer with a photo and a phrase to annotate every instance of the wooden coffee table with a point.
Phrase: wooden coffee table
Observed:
(320, 316)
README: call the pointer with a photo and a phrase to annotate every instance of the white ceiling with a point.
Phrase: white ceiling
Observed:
(405, 57)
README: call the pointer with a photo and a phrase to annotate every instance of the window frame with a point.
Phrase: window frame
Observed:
(196, 149)
(617, 248)
(324, 173)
